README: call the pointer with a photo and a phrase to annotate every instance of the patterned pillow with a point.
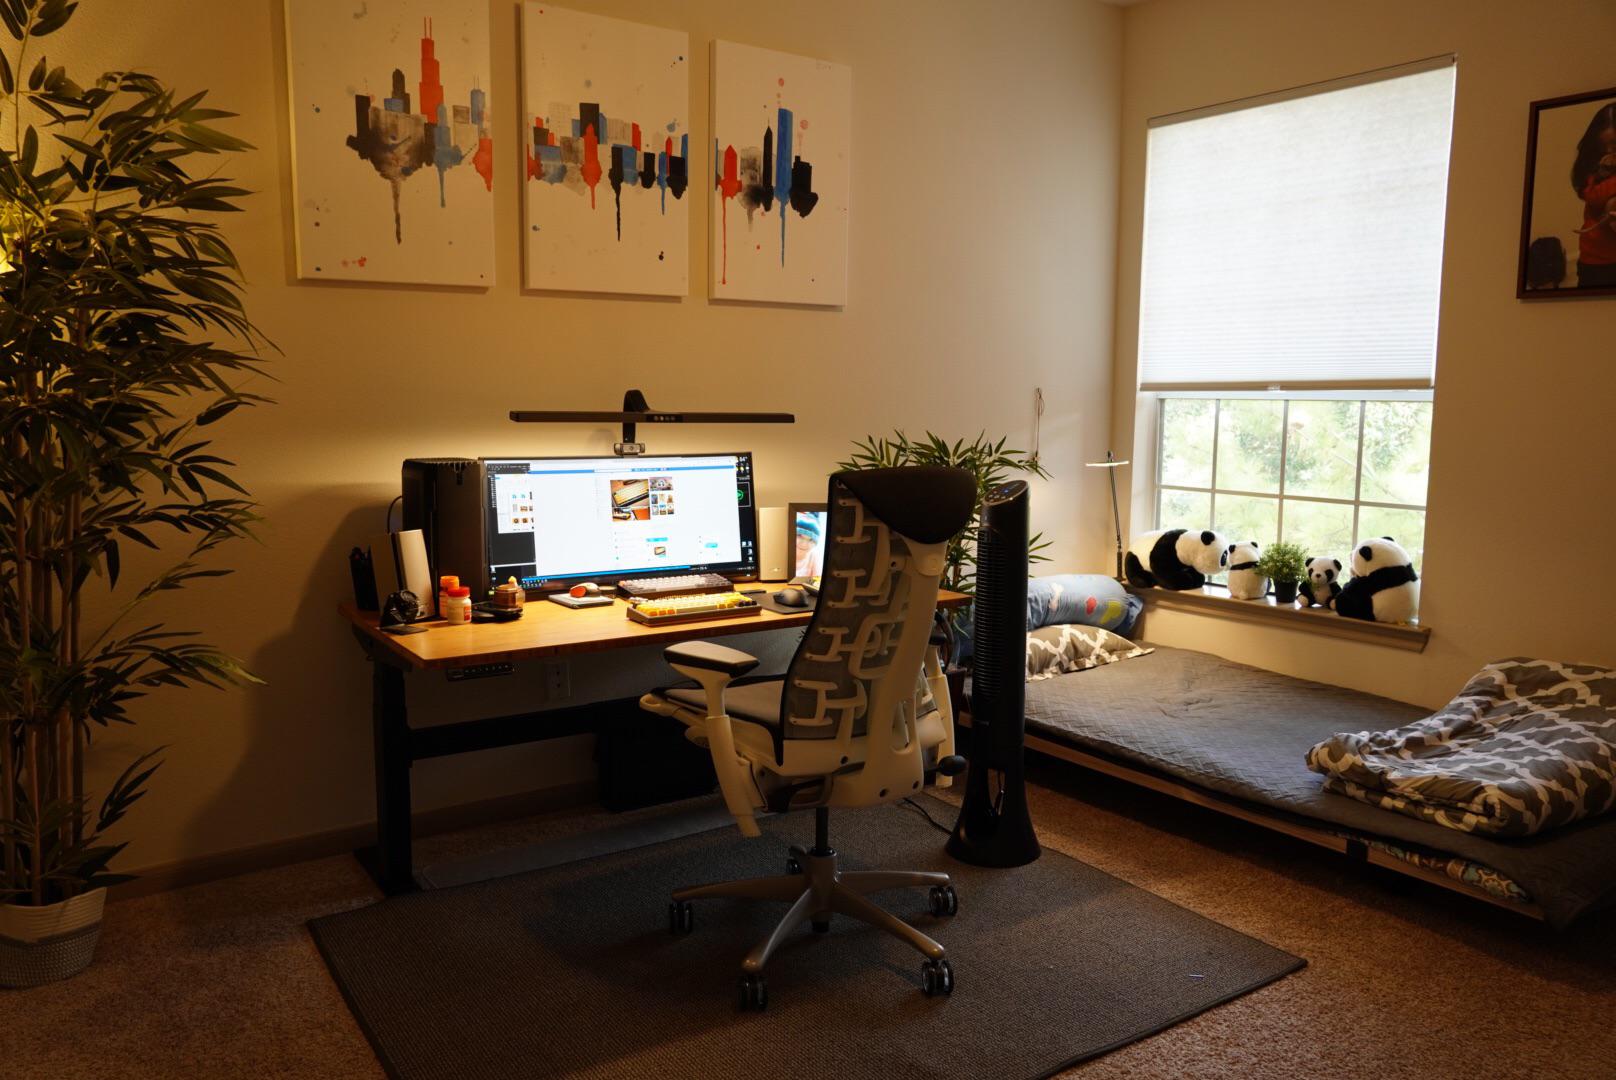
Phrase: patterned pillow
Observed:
(1056, 650)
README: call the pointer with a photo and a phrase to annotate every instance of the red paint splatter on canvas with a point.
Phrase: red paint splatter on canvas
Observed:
(729, 187)
(591, 166)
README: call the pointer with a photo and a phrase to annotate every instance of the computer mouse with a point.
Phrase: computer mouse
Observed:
(791, 598)
(588, 588)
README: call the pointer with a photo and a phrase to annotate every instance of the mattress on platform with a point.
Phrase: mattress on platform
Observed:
(1243, 733)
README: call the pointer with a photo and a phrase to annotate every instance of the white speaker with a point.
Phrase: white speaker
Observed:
(774, 554)
(399, 561)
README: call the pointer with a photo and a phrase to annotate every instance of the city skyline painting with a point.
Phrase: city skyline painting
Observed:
(606, 133)
(393, 147)
(781, 168)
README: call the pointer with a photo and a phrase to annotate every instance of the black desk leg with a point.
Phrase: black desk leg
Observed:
(391, 862)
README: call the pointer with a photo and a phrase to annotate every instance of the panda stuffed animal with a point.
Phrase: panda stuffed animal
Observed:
(1321, 587)
(1384, 587)
(1244, 581)
(1175, 558)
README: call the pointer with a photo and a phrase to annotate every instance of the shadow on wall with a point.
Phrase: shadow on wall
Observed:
(305, 760)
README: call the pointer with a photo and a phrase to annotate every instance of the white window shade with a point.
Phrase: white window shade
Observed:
(1297, 241)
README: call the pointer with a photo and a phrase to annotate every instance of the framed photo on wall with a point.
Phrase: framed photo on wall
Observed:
(1568, 216)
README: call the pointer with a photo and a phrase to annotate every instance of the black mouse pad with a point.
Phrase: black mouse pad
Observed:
(767, 600)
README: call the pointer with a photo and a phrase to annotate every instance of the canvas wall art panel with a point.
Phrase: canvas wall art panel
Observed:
(392, 140)
(782, 127)
(605, 198)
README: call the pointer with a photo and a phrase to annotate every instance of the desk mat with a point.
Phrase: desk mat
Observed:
(767, 600)
(571, 971)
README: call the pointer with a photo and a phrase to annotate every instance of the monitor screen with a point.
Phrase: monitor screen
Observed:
(553, 522)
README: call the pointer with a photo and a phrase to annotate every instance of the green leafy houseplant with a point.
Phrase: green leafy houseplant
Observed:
(122, 336)
(989, 462)
(1285, 565)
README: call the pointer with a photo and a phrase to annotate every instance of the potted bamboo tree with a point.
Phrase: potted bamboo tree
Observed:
(122, 336)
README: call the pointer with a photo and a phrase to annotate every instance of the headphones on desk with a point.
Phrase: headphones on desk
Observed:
(400, 610)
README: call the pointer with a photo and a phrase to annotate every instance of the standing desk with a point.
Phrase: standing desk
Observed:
(545, 631)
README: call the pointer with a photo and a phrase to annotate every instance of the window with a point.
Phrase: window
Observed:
(1318, 470)
(1288, 309)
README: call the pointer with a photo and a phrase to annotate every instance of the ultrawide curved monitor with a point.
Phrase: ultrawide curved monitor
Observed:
(554, 522)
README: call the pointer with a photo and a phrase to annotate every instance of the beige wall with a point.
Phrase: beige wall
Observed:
(981, 266)
(1522, 502)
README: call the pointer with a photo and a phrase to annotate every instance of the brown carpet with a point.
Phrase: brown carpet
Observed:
(1404, 980)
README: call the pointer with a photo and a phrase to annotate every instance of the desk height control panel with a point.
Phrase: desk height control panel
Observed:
(480, 671)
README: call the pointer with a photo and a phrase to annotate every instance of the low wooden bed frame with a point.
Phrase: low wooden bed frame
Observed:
(1351, 847)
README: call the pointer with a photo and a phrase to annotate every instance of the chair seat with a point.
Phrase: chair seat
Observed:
(758, 702)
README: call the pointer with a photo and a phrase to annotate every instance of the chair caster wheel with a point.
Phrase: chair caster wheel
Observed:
(754, 993)
(793, 866)
(937, 978)
(943, 900)
(681, 917)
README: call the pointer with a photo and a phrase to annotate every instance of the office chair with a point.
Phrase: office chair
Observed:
(860, 714)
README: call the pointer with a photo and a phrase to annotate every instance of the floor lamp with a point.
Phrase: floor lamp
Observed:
(1111, 465)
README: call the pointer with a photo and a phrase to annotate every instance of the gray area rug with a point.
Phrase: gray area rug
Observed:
(571, 971)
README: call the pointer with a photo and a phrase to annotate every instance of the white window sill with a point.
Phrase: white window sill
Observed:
(1214, 600)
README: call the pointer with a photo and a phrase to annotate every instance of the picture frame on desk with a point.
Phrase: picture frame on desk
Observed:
(805, 539)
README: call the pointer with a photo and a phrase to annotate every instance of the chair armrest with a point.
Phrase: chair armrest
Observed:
(706, 656)
(713, 666)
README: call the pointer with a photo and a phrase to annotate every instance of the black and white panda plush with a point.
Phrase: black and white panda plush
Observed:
(1244, 581)
(1384, 587)
(1321, 587)
(1175, 558)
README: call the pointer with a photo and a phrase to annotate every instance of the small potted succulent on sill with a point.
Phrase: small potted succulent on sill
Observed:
(1285, 565)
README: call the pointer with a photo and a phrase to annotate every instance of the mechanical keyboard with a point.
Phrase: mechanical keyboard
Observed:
(673, 586)
(692, 608)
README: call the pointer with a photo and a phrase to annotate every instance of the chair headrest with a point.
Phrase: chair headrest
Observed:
(926, 503)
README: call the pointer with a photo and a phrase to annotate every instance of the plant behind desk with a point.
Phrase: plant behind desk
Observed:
(122, 335)
(989, 462)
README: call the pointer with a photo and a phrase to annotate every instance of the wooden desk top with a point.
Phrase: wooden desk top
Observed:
(549, 630)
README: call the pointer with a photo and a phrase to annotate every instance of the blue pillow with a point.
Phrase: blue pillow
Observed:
(1085, 599)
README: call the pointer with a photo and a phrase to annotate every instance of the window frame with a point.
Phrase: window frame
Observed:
(1285, 397)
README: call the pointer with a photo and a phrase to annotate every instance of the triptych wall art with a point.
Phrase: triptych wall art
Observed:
(393, 154)
(392, 140)
(606, 187)
(781, 134)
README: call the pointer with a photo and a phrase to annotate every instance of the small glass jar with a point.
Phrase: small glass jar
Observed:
(509, 596)
(456, 605)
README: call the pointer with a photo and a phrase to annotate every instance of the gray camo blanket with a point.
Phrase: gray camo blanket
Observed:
(1527, 745)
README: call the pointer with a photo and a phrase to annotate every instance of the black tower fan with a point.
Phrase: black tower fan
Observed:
(994, 827)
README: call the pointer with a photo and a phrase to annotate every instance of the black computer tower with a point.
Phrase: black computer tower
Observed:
(443, 497)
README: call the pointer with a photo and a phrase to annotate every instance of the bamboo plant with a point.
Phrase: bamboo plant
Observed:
(122, 337)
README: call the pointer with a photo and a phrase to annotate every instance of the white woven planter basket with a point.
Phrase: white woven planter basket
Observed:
(43, 944)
